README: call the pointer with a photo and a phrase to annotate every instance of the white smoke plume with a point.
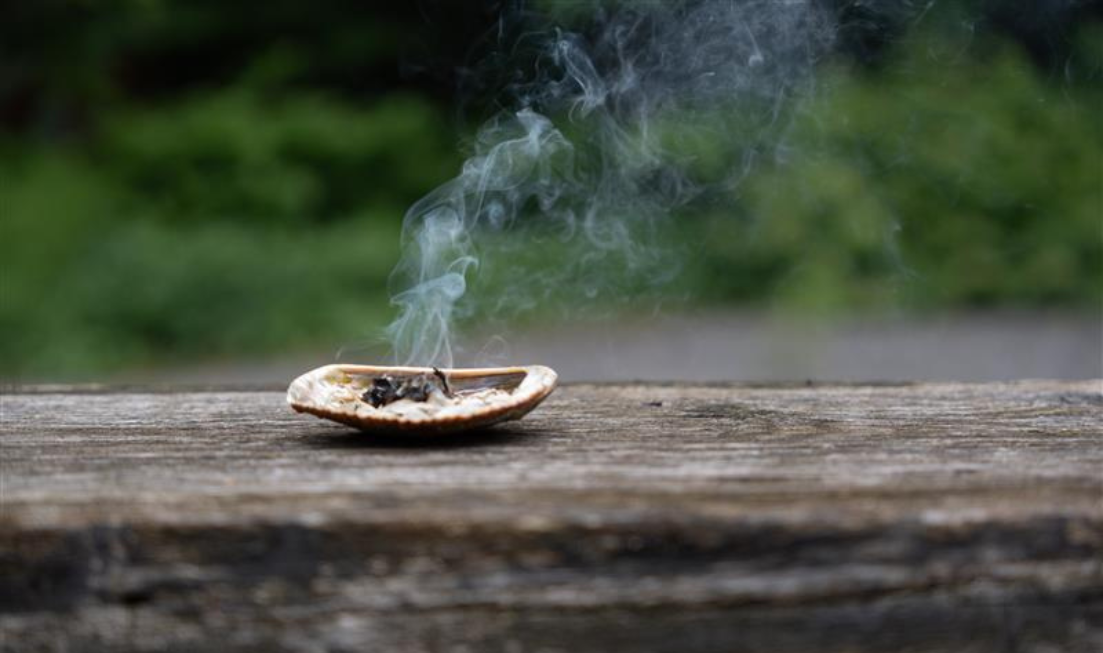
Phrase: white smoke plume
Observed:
(596, 153)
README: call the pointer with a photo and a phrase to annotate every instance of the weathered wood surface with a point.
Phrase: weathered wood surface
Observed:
(615, 518)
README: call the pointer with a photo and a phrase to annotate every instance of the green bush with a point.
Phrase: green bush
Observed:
(276, 161)
(223, 225)
(953, 176)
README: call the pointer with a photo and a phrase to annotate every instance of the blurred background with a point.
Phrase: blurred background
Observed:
(206, 191)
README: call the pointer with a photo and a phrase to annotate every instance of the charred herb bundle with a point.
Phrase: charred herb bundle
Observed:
(417, 387)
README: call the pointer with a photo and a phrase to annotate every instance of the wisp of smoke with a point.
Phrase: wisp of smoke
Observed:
(592, 157)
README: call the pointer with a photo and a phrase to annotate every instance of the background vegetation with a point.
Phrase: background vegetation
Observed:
(184, 180)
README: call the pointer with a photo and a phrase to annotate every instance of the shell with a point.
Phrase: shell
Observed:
(481, 397)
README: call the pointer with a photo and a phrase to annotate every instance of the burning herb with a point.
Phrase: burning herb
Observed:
(443, 382)
(387, 388)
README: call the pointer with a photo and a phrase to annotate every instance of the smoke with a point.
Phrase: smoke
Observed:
(646, 106)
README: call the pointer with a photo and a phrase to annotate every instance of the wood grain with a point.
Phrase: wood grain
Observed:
(615, 518)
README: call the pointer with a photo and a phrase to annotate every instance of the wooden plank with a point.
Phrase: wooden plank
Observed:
(616, 517)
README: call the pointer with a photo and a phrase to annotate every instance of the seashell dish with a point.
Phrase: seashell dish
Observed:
(420, 400)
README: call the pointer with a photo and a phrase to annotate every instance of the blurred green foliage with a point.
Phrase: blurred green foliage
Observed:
(256, 207)
(953, 175)
(221, 224)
